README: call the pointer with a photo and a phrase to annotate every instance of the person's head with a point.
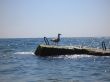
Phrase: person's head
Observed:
(59, 34)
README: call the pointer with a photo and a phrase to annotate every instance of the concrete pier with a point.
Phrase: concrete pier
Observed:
(53, 50)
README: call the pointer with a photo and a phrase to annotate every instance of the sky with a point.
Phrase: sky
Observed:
(39, 18)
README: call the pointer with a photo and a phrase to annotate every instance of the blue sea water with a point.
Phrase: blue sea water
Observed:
(18, 63)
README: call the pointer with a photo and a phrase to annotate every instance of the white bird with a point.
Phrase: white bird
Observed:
(56, 40)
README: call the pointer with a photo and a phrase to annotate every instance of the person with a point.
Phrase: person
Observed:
(103, 45)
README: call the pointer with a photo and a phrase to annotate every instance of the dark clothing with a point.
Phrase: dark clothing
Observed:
(103, 45)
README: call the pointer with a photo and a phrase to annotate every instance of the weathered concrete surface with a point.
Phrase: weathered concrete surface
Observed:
(52, 50)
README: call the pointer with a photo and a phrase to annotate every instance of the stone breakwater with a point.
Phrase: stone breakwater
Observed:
(54, 50)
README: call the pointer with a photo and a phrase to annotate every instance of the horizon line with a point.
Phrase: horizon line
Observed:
(53, 37)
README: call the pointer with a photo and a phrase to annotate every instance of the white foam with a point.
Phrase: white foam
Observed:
(73, 56)
(78, 56)
(24, 53)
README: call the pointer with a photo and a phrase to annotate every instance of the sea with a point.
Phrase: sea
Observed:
(18, 63)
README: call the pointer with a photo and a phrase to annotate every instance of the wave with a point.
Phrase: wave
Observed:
(79, 56)
(72, 56)
(32, 53)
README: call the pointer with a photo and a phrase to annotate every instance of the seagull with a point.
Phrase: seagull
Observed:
(56, 40)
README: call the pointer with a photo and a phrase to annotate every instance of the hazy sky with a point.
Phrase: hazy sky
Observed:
(38, 18)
